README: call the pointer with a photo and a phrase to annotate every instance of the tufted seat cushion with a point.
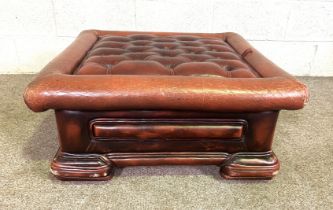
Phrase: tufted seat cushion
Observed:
(117, 70)
(147, 54)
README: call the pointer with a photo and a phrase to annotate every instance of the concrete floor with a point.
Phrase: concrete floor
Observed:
(303, 143)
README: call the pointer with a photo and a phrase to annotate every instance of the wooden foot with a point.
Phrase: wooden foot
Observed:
(89, 167)
(252, 165)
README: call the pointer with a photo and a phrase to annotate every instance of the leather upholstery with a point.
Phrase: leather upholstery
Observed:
(107, 70)
(147, 54)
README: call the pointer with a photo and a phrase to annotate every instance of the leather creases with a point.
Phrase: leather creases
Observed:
(147, 54)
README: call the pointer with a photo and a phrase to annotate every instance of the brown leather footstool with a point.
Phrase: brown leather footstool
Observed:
(140, 98)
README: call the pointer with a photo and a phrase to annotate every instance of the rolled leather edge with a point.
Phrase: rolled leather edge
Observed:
(56, 88)
(120, 92)
(258, 61)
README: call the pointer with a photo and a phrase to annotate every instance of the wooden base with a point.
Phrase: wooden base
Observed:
(89, 167)
(249, 165)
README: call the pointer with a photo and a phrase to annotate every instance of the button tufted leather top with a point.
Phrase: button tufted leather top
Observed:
(119, 70)
(148, 54)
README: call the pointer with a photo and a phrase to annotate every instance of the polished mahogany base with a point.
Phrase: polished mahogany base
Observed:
(96, 167)
(93, 144)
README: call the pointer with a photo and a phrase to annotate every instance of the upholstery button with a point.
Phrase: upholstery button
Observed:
(141, 36)
(164, 39)
(107, 59)
(169, 53)
(190, 43)
(218, 48)
(140, 67)
(166, 45)
(198, 68)
(190, 49)
(170, 62)
(138, 48)
(226, 62)
(139, 55)
(197, 57)
(146, 54)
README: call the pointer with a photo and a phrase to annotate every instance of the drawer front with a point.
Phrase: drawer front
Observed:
(188, 129)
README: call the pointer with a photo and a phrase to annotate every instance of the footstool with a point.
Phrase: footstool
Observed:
(152, 98)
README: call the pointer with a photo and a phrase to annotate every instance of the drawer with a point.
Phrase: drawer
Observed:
(183, 129)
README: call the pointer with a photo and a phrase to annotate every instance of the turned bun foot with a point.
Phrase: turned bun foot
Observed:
(252, 165)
